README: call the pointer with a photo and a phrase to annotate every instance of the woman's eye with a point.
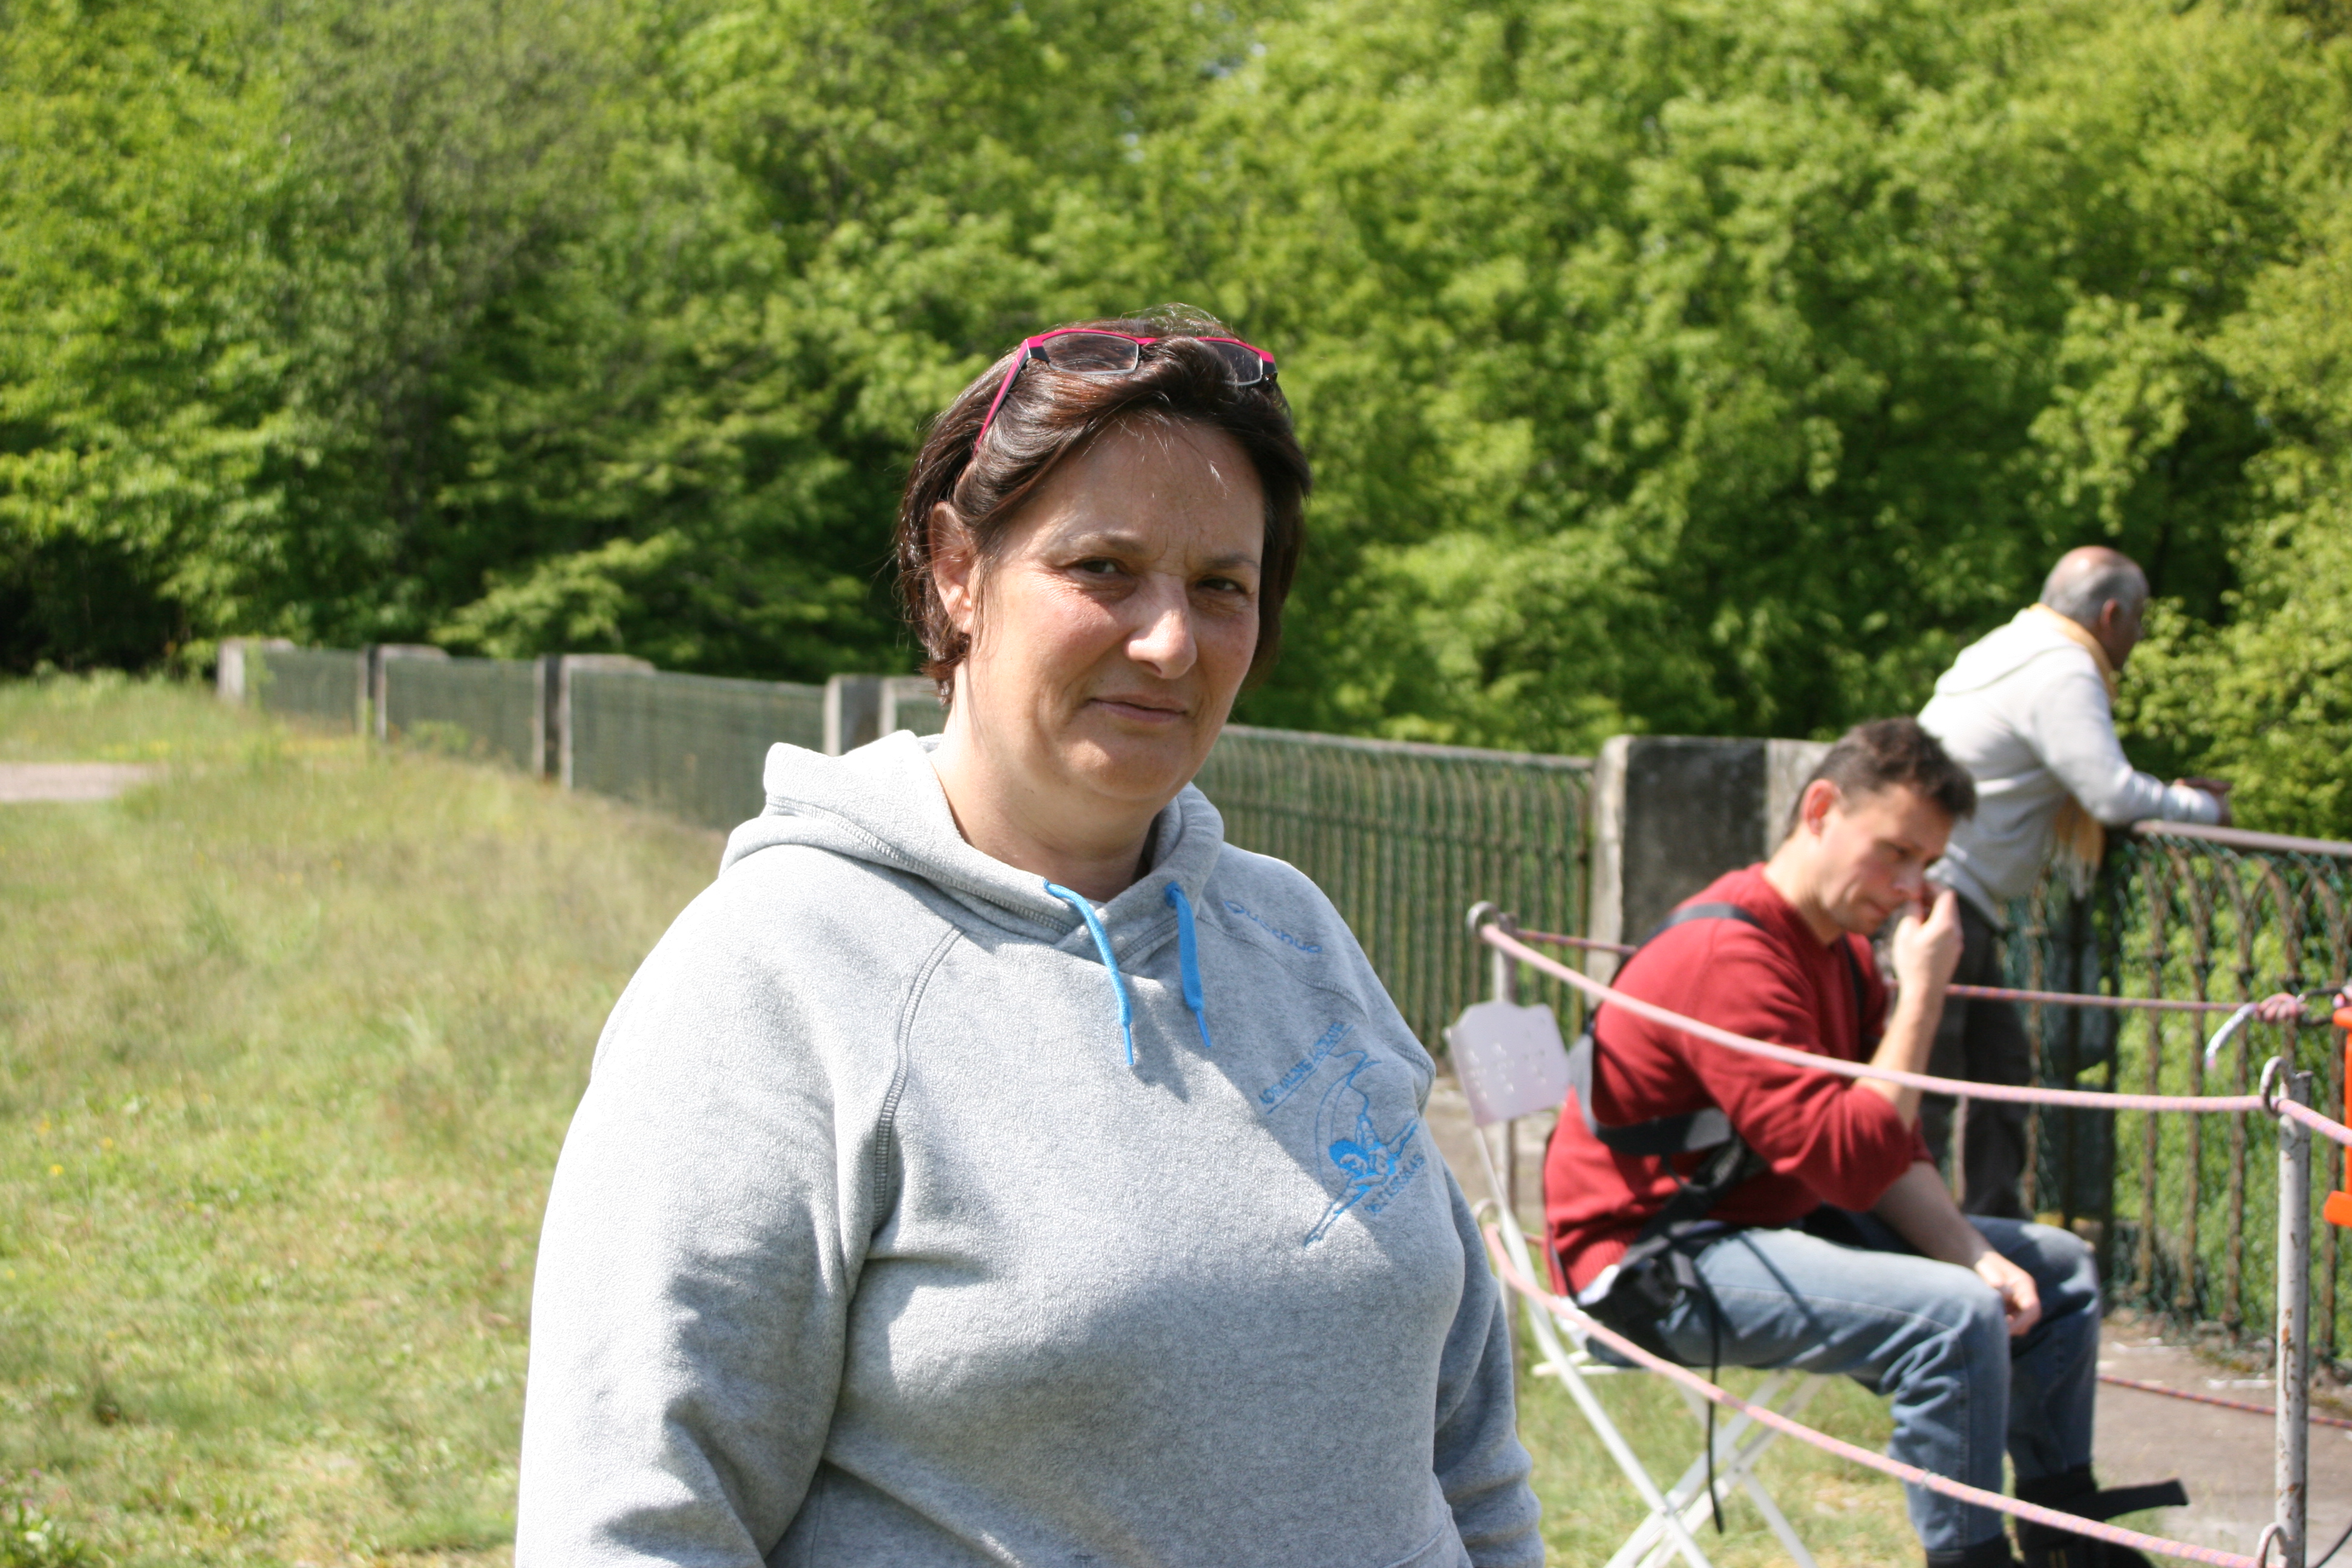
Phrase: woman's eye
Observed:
(1224, 586)
(1098, 568)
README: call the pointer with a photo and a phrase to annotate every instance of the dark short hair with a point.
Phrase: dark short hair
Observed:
(1051, 414)
(1884, 753)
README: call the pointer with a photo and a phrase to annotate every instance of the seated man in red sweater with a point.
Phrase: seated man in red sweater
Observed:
(1721, 1207)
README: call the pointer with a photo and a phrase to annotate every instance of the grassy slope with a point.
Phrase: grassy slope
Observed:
(287, 1046)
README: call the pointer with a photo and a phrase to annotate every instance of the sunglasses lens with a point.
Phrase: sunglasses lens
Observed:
(1091, 353)
(1248, 368)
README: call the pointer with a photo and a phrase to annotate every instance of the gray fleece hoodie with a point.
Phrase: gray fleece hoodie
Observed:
(870, 1244)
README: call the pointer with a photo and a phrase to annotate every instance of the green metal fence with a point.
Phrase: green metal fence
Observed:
(693, 745)
(321, 684)
(911, 702)
(1403, 839)
(2185, 1207)
(486, 707)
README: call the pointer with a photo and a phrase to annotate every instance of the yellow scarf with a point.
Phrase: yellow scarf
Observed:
(2078, 839)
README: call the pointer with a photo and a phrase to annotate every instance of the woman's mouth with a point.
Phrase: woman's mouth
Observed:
(1141, 709)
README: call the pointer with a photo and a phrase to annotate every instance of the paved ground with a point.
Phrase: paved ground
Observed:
(2223, 1457)
(21, 782)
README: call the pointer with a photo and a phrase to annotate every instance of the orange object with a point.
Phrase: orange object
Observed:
(2337, 1210)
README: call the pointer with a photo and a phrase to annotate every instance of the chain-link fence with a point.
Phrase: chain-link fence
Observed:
(2186, 1206)
(486, 707)
(911, 702)
(693, 745)
(323, 685)
(1403, 839)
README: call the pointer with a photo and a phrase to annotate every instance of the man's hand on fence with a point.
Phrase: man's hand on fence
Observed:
(2287, 1007)
(2218, 788)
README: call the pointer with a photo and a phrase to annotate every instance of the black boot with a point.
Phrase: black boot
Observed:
(2075, 1492)
(1993, 1553)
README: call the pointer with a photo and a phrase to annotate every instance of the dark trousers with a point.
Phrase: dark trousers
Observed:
(1984, 1042)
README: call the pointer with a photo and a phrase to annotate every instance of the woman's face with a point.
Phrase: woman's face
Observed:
(1111, 631)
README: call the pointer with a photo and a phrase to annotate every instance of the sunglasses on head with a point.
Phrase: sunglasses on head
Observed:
(1093, 351)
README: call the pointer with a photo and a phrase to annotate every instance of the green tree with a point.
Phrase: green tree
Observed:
(2265, 699)
(138, 396)
(1721, 369)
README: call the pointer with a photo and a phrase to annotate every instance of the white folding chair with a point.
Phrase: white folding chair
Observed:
(1511, 1064)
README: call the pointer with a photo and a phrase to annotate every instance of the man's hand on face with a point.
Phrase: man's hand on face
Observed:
(1927, 946)
(2218, 788)
(2021, 1303)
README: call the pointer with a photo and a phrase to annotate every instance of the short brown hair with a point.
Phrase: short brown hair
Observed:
(1049, 415)
(1884, 753)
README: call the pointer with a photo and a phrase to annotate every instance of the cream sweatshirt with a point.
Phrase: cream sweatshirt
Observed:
(2024, 710)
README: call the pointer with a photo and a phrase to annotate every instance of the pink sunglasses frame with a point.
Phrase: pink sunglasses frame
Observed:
(1035, 347)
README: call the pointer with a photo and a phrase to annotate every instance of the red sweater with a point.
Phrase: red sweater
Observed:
(1828, 1140)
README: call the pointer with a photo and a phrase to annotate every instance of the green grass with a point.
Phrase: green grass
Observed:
(288, 1042)
(1847, 1517)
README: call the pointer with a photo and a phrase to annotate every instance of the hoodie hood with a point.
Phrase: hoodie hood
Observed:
(882, 805)
(2002, 652)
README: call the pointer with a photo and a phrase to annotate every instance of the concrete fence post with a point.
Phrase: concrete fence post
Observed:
(228, 672)
(546, 739)
(1672, 812)
(566, 666)
(853, 711)
(380, 657)
(235, 680)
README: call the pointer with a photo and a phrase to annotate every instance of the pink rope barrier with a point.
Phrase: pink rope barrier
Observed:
(1979, 993)
(2298, 1111)
(2020, 1094)
(2112, 1533)
(2248, 1406)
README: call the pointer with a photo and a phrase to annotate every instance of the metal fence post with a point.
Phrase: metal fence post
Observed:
(1506, 970)
(2293, 1347)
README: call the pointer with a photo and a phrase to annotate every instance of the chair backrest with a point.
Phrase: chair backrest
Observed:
(1509, 1059)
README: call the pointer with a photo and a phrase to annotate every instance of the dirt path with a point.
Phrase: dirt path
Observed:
(23, 783)
(2223, 1457)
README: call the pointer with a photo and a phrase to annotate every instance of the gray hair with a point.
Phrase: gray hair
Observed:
(2083, 582)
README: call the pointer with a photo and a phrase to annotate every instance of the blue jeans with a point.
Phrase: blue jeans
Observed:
(1929, 1335)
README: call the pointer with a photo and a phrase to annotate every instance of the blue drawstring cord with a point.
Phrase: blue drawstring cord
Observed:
(1188, 963)
(1078, 901)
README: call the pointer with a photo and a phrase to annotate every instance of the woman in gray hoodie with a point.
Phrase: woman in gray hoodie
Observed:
(994, 1165)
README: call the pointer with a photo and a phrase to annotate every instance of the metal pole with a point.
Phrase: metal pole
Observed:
(2293, 1348)
(1506, 989)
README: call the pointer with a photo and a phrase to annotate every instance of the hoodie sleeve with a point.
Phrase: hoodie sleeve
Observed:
(1480, 1463)
(2071, 726)
(703, 1239)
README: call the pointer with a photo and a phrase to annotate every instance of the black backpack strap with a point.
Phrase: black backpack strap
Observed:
(1861, 994)
(1679, 1135)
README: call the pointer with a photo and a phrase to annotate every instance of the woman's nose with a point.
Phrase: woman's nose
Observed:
(1163, 639)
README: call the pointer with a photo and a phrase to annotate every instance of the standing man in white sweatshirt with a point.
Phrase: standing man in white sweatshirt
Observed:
(2029, 710)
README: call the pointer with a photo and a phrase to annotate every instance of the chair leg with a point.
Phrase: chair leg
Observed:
(1663, 1524)
(1740, 1443)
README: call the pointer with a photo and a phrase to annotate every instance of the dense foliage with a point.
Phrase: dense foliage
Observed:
(1668, 365)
